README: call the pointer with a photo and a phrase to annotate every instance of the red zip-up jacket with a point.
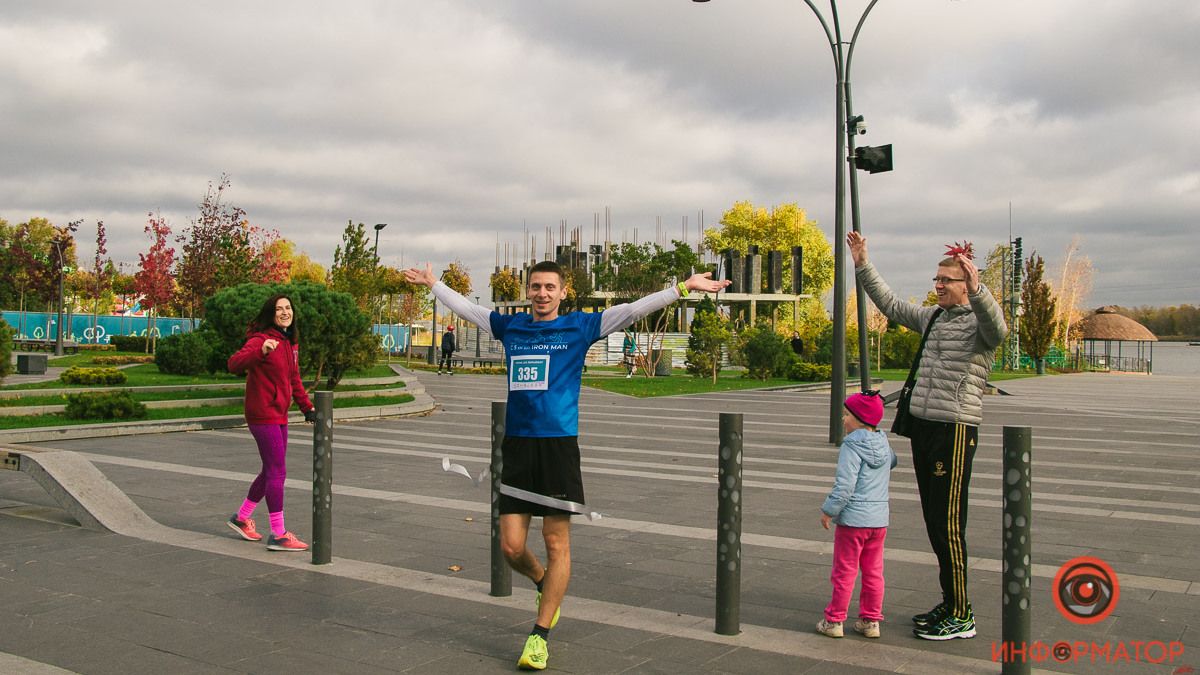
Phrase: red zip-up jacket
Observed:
(272, 380)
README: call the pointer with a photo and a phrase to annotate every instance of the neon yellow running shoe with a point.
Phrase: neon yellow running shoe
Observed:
(534, 656)
(557, 612)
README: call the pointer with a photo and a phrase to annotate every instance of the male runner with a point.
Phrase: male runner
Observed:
(545, 356)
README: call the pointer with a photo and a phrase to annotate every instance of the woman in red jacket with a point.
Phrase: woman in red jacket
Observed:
(270, 359)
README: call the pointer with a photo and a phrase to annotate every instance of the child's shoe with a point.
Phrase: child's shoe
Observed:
(867, 628)
(830, 628)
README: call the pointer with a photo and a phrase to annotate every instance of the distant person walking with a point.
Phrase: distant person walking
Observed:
(270, 360)
(448, 347)
(797, 344)
(858, 505)
(946, 406)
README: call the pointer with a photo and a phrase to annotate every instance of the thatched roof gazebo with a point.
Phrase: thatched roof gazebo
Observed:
(1112, 341)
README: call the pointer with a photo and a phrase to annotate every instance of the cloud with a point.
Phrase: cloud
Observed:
(457, 122)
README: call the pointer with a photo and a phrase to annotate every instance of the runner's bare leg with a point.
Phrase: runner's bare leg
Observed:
(556, 531)
(514, 532)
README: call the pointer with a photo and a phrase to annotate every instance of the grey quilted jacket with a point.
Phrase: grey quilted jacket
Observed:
(958, 354)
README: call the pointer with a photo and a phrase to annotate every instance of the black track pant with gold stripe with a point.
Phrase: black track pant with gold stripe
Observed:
(942, 455)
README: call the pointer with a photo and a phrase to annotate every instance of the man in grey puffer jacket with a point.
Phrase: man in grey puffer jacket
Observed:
(947, 406)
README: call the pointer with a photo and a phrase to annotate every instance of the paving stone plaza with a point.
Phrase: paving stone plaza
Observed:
(1115, 468)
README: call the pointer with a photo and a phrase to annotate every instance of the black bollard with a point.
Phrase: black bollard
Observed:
(322, 527)
(501, 573)
(729, 525)
(1017, 544)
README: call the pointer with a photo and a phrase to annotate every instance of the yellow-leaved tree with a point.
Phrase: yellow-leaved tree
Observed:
(779, 229)
(458, 278)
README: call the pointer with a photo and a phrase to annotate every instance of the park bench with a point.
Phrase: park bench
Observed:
(43, 345)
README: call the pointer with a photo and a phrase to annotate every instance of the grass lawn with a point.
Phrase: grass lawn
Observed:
(55, 420)
(84, 358)
(899, 375)
(147, 374)
(61, 399)
(679, 383)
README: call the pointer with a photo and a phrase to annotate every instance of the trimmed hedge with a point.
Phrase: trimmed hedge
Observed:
(122, 360)
(97, 348)
(183, 354)
(804, 371)
(7, 333)
(106, 405)
(79, 375)
(128, 343)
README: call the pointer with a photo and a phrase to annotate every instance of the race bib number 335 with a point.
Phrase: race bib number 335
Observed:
(528, 372)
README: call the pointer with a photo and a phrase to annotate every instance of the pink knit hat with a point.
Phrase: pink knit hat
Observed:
(866, 408)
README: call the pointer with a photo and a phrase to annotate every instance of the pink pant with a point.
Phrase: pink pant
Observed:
(856, 548)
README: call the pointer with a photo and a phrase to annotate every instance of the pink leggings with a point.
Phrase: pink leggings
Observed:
(272, 448)
(856, 548)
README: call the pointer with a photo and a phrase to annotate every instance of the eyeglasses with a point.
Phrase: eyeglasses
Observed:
(945, 281)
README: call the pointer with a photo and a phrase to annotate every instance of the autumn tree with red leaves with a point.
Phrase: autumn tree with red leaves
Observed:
(221, 249)
(154, 281)
(100, 280)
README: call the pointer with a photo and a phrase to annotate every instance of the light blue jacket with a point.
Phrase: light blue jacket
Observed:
(860, 487)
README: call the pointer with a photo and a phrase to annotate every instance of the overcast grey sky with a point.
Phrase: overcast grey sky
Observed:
(457, 121)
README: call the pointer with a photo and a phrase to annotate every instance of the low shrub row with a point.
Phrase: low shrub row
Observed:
(122, 359)
(128, 343)
(80, 375)
(106, 405)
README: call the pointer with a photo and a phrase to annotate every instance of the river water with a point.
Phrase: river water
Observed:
(1176, 358)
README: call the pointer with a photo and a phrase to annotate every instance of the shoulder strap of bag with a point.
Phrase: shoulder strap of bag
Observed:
(912, 372)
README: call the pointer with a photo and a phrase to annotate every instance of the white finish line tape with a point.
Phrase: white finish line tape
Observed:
(518, 493)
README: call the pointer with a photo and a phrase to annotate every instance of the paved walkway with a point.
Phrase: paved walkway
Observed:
(52, 372)
(1115, 476)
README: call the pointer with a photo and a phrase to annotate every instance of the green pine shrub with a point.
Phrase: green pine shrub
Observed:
(106, 405)
(183, 354)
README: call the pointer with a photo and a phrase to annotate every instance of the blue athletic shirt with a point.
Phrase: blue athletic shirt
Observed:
(545, 370)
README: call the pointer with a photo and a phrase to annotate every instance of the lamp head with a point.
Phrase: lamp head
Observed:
(380, 226)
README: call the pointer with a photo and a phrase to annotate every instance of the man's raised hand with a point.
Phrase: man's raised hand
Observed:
(424, 277)
(970, 272)
(705, 282)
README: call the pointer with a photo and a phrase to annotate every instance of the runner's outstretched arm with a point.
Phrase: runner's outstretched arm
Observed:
(476, 314)
(616, 318)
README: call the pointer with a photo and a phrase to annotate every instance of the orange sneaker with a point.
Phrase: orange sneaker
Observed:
(285, 542)
(245, 528)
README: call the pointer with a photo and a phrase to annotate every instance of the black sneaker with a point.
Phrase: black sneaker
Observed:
(932, 616)
(948, 629)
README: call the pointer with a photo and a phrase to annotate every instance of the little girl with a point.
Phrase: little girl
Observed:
(858, 505)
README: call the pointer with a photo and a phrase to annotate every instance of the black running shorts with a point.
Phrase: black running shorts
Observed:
(545, 466)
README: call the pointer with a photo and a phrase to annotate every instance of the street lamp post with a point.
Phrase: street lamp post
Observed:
(844, 127)
(477, 333)
(375, 253)
(62, 272)
(378, 227)
(841, 63)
